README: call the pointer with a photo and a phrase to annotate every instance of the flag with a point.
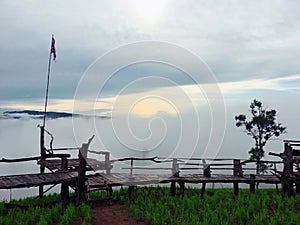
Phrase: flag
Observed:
(53, 51)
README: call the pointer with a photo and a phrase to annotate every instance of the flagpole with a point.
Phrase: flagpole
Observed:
(47, 88)
(42, 141)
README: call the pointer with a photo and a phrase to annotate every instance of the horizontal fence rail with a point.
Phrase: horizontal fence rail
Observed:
(48, 156)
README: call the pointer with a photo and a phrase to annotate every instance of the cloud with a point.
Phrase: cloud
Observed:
(236, 39)
(285, 83)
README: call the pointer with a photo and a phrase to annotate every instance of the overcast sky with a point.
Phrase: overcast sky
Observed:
(238, 40)
(252, 49)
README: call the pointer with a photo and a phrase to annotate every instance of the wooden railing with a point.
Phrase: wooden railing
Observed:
(63, 158)
(207, 165)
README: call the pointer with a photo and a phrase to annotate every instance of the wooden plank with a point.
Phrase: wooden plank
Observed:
(147, 168)
(135, 179)
(33, 180)
(191, 159)
(295, 141)
(140, 179)
(35, 158)
(54, 164)
(115, 179)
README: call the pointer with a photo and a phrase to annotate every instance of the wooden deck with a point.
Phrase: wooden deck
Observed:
(115, 179)
(34, 180)
(133, 180)
(118, 179)
(72, 173)
(221, 178)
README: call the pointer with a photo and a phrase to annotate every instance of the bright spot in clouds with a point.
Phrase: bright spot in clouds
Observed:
(150, 11)
(152, 105)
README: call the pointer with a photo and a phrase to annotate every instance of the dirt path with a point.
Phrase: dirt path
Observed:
(115, 214)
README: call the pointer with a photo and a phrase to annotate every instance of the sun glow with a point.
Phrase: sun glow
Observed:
(151, 106)
(149, 10)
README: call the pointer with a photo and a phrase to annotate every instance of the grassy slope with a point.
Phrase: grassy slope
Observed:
(156, 206)
(47, 210)
(219, 206)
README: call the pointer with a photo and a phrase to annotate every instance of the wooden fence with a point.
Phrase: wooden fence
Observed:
(72, 172)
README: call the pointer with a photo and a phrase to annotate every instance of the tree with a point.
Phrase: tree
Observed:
(261, 127)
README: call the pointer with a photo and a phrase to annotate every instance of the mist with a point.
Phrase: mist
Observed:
(181, 134)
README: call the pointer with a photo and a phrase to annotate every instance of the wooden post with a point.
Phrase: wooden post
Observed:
(206, 169)
(296, 160)
(81, 174)
(109, 190)
(276, 185)
(181, 189)
(175, 173)
(80, 187)
(43, 153)
(131, 166)
(175, 167)
(130, 187)
(236, 172)
(286, 182)
(131, 191)
(64, 186)
(206, 173)
(297, 183)
(203, 189)
(107, 163)
(252, 183)
(237, 168)
(236, 188)
(173, 188)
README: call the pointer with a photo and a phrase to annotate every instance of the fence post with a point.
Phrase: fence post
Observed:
(80, 187)
(181, 188)
(131, 166)
(175, 173)
(131, 188)
(107, 163)
(296, 159)
(173, 188)
(252, 183)
(206, 169)
(206, 173)
(297, 187)
(287, 184)
(203, 189)
(175, 167)
(236, 173)
(43, 153)
(276, 185)
(64, 192)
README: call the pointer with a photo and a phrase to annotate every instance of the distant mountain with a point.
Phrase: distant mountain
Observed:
(19, 114)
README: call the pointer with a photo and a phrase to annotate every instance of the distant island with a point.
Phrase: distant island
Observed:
(34, 114)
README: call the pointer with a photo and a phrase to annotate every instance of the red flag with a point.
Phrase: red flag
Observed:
(53, 51)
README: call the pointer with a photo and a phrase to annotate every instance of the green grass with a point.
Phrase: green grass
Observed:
(45, 211)
(68, 216)
(156, 206)
(86, 214)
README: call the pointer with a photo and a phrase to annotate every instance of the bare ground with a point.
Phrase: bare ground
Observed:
(115, 214)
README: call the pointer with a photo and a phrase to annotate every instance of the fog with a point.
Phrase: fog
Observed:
(162, 134)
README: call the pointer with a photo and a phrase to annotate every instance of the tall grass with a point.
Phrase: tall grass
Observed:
(69, 215)
(35, 211)
(86, 214)
(156, 206)
(44, 211)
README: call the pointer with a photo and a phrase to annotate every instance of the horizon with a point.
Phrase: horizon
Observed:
(163, 70)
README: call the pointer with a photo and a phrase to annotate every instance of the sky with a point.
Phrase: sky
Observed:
(158, 68)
